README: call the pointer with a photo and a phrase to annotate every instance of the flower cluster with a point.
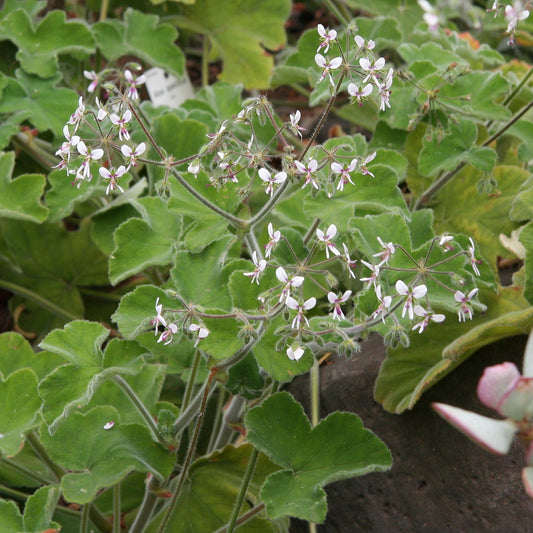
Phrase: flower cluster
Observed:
(366, 71)
(513, 13)
(171, 328)
(88, 132)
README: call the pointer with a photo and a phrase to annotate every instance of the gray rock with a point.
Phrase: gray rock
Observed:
(440, 481)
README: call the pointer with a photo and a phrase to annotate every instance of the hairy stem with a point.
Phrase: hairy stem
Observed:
(141, 408)
(39, 300)
(244, 487)
(190, 454)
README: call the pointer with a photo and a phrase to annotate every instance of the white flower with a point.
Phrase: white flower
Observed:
(294, 281)
(337, 301)
(295, 353)
(371, 68)
(344, 171)
(465, 309)
(132, 83)
(430, 16)
(91, 75)
(159, 319)
(368, 159)
(350, 263)
(359, 94)
(444, 241)
(112, 175)
(270, 180)
(168, 335)
(427, 316)
(513, 15)
(384, 304)
(308, 171)
(375, 272)
(295, 123)
(411, 293)
(328, 66)
(132, 155)
(102, 112)
(327, 238)
(275, 236)
(388, 250)
(77, 116)
(473, 261)
(260, 265)
(121, 123)
(327, 37)
(291, 303)
(201, 332)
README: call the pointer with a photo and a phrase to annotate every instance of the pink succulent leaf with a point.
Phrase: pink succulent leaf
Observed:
(517, 402)
(527, 479)
(527, 370)
(495, 436)
(495, 382)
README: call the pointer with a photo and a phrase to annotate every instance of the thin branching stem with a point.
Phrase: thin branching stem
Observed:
(244, 488)
(141, 409)
(190, 454)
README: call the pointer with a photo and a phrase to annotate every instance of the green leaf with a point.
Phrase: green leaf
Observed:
(79, 343)
(276, 362)
(143, 36)
(461, 209)
(72, 386)
(211, 488)
(337, 448)
(239, 31)
(49, 262)
(40, 46)
(16, 353)
(99, 457)
(10, 517)
(50, 106)
(63, 196)
(40, 508)
(144, 242)
(20, 198)
(137, 308)
(455, 148)
(11, 125)
(526, 238)
(407, 372)
(18, 410)
(199, 278)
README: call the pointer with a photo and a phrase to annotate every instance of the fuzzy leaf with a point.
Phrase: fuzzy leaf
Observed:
(39, 510)
(47, 261)
(337, 448)
(209, 493)
(456, 147)
(239, 32)
(72, 385)
(199, 278)
(146, 241)
(18, 410)
(461, 209)
(141, 35)
(40, 46)
(20, 198)
(99, 457)
(50, 106)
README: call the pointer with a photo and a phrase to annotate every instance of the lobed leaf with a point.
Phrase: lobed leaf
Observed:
(337, 448)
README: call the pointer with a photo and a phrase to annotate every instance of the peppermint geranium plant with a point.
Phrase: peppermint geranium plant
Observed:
(179, 264)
